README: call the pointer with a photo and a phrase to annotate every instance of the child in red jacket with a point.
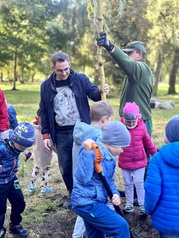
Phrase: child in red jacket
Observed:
(133, 159)
(4, 117)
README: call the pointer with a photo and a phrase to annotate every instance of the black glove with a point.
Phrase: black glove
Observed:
(103, 41)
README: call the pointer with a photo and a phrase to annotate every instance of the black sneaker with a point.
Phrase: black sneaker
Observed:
(2, 232)
(18, 230)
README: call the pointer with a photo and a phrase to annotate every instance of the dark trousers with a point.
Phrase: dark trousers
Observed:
(100, 220)
(11, 191)
(148, 124)
(64, 144)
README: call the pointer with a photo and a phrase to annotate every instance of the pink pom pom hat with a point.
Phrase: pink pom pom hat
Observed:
(131, 111)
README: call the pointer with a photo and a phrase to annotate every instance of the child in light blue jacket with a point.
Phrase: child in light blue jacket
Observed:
(89, 196)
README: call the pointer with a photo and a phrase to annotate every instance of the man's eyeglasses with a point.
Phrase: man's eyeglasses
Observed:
(62, 70)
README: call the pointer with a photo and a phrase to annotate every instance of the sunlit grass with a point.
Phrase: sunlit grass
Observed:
(26, 102)
(27, 87)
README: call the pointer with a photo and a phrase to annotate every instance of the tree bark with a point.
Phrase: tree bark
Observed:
(99, 52)
(172, 79)
(157, 72)
(15, 70)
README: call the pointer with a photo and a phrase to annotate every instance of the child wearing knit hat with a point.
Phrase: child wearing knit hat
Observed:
(162, 184)
(89, 195)
(100, 115)
(12, 143)
(13, 124)
(133, 159)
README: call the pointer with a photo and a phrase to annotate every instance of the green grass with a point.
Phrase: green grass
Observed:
(26, 102)
(27, 87)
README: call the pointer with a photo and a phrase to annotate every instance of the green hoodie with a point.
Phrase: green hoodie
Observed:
(138, 83)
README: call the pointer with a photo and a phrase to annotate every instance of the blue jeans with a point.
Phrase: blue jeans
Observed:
(64, 144)
(166, 235)
(101, 220)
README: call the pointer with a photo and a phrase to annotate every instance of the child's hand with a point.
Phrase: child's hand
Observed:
(0, 168)
(88, 145)
(116, 200)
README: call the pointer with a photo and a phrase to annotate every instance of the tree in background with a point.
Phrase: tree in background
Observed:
(31, 31)
(164, 41)
(23, 23)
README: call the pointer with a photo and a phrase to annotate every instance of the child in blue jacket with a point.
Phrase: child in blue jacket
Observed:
(89, 196)
(100, 114)
(162, 184)
(12, 143)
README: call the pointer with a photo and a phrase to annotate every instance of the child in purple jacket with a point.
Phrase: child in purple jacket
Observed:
(133, 159)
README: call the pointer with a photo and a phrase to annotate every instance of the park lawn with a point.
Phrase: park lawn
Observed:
(26, 103)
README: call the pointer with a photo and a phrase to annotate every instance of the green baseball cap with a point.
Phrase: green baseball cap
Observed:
(135, 45)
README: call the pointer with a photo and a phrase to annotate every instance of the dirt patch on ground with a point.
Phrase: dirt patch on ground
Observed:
(53, 221)
(60, 225)
(59, 222)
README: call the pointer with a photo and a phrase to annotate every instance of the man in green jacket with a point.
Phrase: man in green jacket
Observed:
(138, 82)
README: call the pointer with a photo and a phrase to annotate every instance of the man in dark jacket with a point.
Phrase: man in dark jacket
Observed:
(64, 101)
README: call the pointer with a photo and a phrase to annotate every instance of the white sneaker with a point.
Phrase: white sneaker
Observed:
(31, 188)
(128, 208)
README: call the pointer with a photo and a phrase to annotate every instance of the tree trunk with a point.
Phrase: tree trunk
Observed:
(157, 72)
(172, 79)
(1, 77)
(33, 77)
(21, 79)
(15, 70)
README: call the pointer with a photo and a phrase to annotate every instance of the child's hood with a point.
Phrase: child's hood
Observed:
(6, 135)
(83, 130)
(170, 154)
(104, 150)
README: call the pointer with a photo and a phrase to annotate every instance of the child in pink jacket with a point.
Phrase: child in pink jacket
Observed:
(133, 159)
